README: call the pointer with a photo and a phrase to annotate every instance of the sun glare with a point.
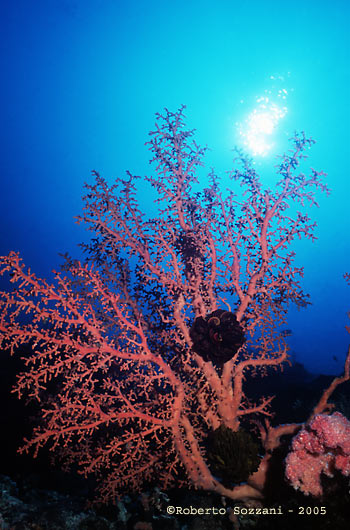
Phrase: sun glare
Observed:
(259, 128)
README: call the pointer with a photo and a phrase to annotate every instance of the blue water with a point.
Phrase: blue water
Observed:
(83, 79)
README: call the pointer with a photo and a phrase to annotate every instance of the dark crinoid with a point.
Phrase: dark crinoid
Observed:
(217, 337)
(187, 244)
(232, 456)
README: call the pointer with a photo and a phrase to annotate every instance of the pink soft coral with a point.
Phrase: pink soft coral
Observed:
(322, 447)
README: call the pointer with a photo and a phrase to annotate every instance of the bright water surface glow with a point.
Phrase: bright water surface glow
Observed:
(261, 125)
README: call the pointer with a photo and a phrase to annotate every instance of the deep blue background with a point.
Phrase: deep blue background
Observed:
(82, 80)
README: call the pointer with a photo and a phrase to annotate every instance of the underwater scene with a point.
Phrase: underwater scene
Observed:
(175, 265)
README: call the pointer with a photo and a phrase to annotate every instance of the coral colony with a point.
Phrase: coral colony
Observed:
(322, 447)
(139, 355)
